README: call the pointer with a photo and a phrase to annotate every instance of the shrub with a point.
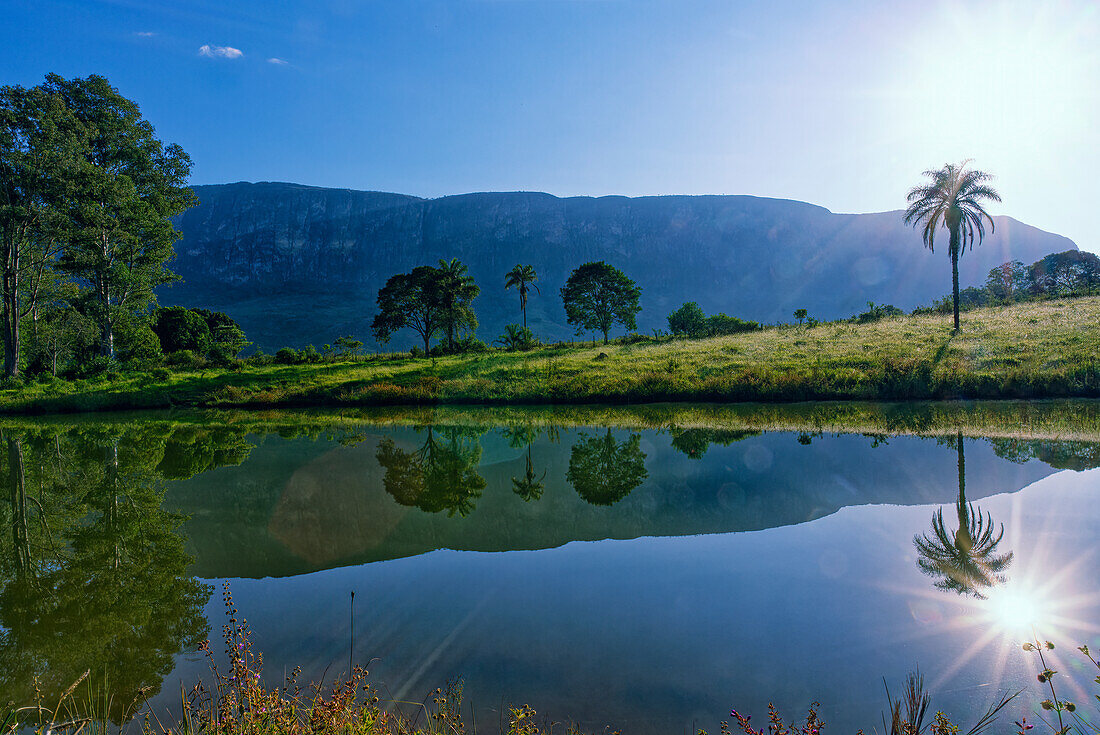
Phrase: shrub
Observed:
(876, 312)
(516, 337)
(689, 320)
(160, 373)
(287, 356)
(181, 329)
(416, 352)
(260, 358)
(184, 360)
(720, 323)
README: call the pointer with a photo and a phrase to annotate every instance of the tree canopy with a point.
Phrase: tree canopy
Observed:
(597, 295)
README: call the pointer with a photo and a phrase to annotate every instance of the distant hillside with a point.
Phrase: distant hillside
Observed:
(297, 264)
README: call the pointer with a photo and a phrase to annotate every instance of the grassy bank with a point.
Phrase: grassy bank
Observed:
(1032, 350)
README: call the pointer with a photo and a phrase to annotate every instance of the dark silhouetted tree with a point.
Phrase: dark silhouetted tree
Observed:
(410, 300)
(953, 199)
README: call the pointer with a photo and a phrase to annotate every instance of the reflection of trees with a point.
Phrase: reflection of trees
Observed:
(93, 575)
(440, 475)
(603, 471)
(966, 561)
(695, 442)
(1061, 455)
(527, 487)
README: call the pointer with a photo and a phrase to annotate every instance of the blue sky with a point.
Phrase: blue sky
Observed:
(839, 103)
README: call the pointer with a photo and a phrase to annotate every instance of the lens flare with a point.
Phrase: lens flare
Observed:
(1016, 611)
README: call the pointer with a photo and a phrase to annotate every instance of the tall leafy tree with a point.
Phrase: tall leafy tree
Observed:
(952, 198)
(522, 278)
(457, 291)
(39, 142)
(126, 187)
(1007, 281)
(410, 301)
(598, 295)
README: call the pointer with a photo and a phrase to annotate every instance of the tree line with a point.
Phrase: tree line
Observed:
(437, 301)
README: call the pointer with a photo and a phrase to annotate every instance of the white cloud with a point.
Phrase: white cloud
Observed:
(145, 34)
(277, 60)
(220, 52)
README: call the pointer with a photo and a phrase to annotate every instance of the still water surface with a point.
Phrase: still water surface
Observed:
(644, 578)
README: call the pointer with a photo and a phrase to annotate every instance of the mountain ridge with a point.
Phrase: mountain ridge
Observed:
(299, 264)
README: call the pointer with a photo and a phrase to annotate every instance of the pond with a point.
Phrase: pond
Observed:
(646, 569)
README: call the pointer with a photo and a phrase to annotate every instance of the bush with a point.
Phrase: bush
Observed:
(516, 337)
(288, 356)
(876, 312)
(181, 329)
(260, 359)
(689, 320)
(160, 373)
(720, 323)
(184, 360)
(416, 352)
(309, 354)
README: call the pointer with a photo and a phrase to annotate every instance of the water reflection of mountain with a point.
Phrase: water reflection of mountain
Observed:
(298, 506)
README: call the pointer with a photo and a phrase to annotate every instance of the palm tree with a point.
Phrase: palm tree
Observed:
(457, 289)
(520, 277)
(952, 199)
(965, 561)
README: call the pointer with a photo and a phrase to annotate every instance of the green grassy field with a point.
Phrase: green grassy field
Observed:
(1034, 350)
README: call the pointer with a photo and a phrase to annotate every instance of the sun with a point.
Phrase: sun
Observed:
(988, 81)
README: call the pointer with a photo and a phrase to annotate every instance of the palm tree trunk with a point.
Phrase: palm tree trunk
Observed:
(955, 274)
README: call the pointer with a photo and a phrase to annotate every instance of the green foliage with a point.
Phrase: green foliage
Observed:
(875, 312)
(127, 186)
(348, 346)
(597, 295)
(184, 360)
(179, 328)
(410, 300)
(86, 196)
(603, 470)
(688, 320)
(457, 291)
(719, 324)
(516, 337)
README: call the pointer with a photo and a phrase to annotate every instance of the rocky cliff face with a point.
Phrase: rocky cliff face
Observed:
(297, 264)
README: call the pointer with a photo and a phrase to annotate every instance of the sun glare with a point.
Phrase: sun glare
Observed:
(1015, 611)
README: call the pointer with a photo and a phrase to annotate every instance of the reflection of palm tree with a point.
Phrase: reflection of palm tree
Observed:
(528, 488)
(965, 561)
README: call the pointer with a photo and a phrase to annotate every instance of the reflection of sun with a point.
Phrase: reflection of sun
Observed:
(1018, 612)
(1044, 598)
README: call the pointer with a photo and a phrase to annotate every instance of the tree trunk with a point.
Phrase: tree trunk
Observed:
(426, 338)
(11, 313)
(18, 490)
(524, 310)
(954, 252)
(605, 336)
